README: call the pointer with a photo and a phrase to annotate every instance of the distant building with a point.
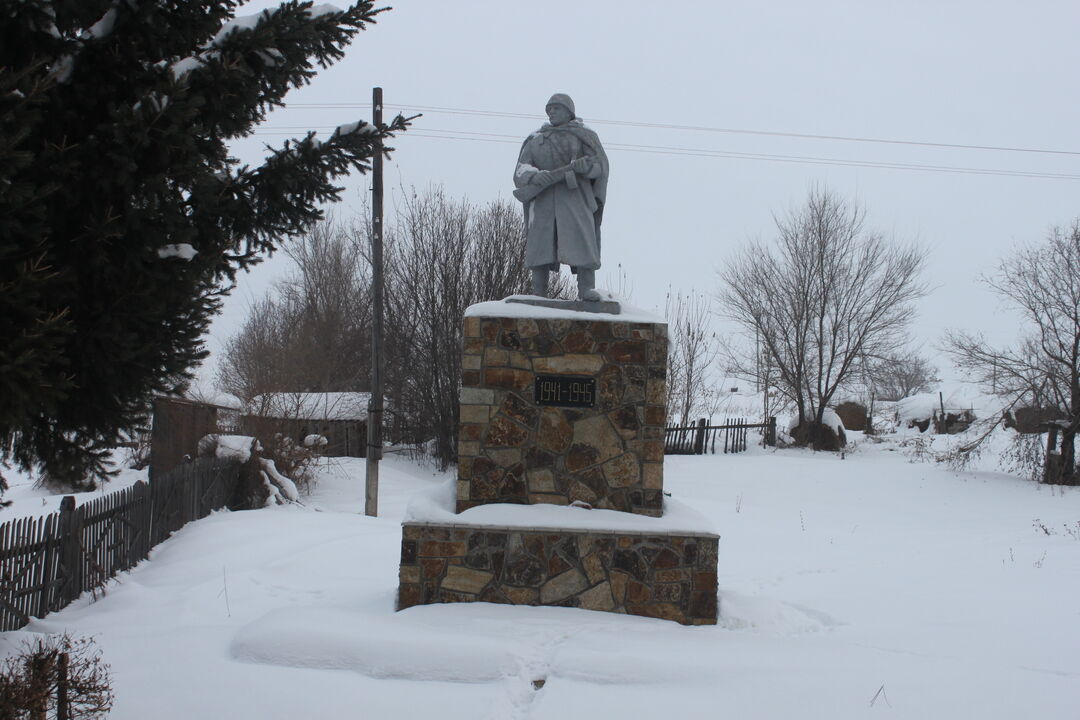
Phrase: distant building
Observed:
(340, 417)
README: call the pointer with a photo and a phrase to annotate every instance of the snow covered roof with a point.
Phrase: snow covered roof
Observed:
(311, 406)
(213, 397)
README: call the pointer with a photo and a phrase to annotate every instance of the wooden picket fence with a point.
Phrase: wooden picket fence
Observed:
(699, 438)
(47, 562)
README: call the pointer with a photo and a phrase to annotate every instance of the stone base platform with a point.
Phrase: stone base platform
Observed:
(659, 572)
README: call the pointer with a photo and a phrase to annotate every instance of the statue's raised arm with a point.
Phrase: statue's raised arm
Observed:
(561, 178)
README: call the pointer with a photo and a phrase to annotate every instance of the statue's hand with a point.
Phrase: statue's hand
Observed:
(582, 165)
(544, 178)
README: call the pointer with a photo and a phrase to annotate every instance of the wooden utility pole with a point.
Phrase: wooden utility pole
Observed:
(375, 406)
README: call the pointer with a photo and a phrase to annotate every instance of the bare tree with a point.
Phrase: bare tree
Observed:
(442, 255)
(899, 376)
(692, 352)
(256, 359)
(827, 293)
(330, 288)
(1042, 282)
(310, 333)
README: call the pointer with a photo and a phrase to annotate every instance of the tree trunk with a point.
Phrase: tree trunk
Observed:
(1067, 459)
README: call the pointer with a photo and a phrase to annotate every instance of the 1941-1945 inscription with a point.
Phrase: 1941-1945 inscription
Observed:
(565, 391)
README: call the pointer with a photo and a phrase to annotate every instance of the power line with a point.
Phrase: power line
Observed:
(698, 128)
(704, 152)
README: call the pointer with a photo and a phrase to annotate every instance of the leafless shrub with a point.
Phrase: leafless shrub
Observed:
(57, 677)
(920, 448)
(442, 255)
(825, 295)
(899, 376)
(136, 449)
(692, 353)
(963, 456)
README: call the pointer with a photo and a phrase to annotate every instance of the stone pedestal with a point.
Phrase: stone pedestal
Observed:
(602, 443)
(561, 408)
(663, 576)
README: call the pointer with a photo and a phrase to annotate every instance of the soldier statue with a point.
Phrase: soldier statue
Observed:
(561, 177)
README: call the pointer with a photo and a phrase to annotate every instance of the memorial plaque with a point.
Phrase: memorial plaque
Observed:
(565, 391)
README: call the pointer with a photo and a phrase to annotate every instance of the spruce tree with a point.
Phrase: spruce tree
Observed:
(123, 219)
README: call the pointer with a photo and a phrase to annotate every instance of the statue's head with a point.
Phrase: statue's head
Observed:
(560, 109)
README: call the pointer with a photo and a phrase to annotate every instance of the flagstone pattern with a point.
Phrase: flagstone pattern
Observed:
(671, 577)
(608, 456)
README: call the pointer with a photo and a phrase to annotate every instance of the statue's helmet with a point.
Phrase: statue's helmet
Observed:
(564, 100)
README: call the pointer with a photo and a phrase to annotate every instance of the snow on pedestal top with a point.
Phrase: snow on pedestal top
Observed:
(436, 506)
(502, 308)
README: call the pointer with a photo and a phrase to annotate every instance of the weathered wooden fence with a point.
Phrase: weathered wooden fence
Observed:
(47, 562)
(698, 438)
(178, 426)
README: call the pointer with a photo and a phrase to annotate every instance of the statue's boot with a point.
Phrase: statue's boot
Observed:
(586, 284)
(540, 282)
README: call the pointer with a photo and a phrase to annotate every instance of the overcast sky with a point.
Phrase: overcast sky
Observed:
(996, 74)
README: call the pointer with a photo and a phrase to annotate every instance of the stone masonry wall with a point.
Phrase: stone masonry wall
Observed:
(669, 577)
(513, 451)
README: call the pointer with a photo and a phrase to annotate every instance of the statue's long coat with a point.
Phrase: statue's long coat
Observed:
(562, 223)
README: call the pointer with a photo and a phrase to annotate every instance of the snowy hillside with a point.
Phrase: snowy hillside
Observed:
(869, 585)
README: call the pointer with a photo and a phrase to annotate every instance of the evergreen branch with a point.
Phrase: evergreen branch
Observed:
(285, 192)
(255, 67)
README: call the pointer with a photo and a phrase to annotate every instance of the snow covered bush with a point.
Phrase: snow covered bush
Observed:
(279, 489)
(927, 411)
(296, 461)
(261, 483)
(825, 435)
(228, 447)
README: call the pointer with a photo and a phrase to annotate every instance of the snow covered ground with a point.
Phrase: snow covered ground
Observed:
(27, 499)
(854, 587)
